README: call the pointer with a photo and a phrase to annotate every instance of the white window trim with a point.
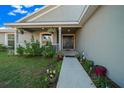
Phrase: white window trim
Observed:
(6, 38)
(41, 36)
(6, 41)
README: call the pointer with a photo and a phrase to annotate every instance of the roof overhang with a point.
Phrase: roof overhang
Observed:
(87, 13)
(46, 24)
(7, 30)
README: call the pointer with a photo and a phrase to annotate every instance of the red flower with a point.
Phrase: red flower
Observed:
(100, 70)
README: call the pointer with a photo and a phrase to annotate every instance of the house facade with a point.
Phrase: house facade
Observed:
(96, 30)
(7, 37)
(59, 18)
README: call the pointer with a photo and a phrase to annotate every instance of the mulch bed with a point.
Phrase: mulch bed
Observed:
(93, 77)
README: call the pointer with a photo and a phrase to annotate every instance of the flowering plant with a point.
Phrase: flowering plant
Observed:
(100, 70)
(51, 73)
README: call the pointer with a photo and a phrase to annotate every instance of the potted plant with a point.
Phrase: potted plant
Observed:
(60, 55)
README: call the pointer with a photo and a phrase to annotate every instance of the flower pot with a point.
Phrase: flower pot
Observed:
(59, 57)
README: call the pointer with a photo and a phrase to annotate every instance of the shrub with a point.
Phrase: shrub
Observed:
(88, 65)
(48, 43)
(33, 48)
(20, 50)
(48, 51)
(3, 48)
(102, 82)
(80, 56)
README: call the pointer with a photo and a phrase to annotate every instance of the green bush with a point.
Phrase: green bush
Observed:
(80, 56)
(3, 48)
(87, 64)
(48, 51)
(33, 48)
(102, 82)
(20, 50)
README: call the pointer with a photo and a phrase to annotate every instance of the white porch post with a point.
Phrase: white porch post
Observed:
(60, 40)
(6, 43)
(15, 48)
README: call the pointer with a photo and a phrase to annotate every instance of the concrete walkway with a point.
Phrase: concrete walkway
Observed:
(70, 53)
(73, 75)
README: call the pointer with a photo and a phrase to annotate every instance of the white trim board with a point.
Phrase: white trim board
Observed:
(46, 24)
(84, 11)
(43, 23)
(42, 10)
(31, 14)
(40, 35)
(6, 38)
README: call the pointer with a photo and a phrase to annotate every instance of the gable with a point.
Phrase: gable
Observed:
(64, 13)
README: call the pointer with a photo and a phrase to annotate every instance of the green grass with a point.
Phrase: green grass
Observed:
(16, 71)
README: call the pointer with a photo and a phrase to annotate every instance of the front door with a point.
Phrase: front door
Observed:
(68, 42)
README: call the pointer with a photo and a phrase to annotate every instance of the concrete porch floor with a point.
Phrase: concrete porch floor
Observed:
(70, 53)
(73, 75)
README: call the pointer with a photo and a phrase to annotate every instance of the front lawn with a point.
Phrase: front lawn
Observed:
(19, 71)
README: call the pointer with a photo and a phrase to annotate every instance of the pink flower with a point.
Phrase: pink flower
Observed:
(100, 70)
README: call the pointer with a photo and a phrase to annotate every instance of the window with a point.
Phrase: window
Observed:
(11, 40)
(46, 39)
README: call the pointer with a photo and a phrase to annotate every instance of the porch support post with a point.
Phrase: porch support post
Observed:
(15, 47)
(60, 40)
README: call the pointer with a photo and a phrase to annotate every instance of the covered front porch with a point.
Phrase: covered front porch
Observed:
(61, 38)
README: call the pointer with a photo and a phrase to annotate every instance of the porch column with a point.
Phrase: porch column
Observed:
(15, 36)
(60, 36)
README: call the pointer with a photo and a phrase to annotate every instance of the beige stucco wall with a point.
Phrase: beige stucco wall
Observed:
(102, 39)
(2, 38)
(22, 37)
(3, 35)
(28, 35)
